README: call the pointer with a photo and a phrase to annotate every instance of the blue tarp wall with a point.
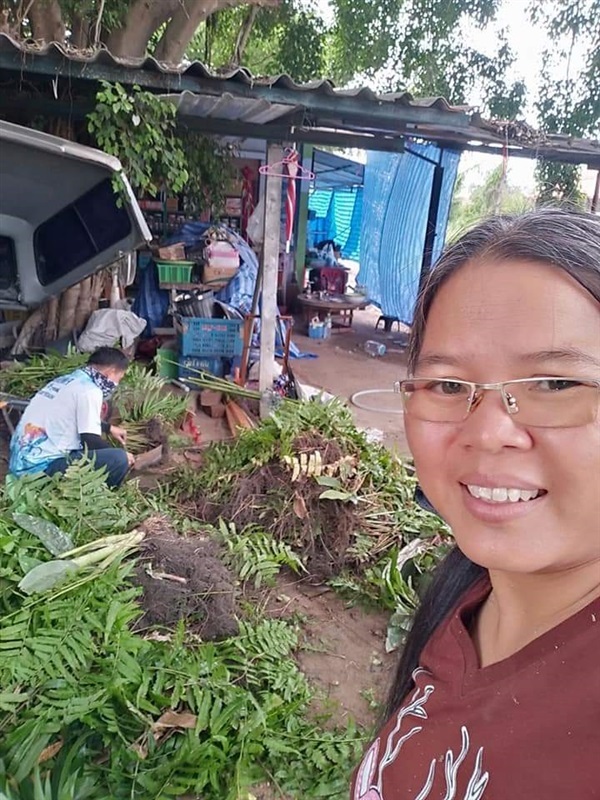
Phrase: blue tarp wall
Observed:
(337, 215)
(397, 193)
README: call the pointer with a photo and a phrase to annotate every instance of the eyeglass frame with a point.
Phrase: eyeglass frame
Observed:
(474, 400)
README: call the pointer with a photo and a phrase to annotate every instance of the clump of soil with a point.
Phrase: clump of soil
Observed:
(320, 531)
(156, 435)
(184, 579)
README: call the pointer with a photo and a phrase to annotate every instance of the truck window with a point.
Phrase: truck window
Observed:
(8, 264)
(79, 232)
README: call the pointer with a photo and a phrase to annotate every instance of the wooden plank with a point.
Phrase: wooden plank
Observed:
(269, 284)
(148, 459)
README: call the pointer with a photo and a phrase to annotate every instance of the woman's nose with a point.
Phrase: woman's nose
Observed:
(490, 427)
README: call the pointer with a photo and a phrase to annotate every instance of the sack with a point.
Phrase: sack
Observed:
(256, 223)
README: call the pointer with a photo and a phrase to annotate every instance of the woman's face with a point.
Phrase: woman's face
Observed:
(494, 322)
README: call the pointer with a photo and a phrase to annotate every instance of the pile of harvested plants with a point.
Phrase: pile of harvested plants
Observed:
(309, 478)
(25, 378)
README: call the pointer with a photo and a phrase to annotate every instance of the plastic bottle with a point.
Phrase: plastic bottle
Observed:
(375, 349)
(328, 325)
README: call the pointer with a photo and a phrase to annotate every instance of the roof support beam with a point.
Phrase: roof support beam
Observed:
(289, 132)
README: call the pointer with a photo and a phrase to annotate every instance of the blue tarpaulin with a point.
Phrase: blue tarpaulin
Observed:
(396, 201)
(337, 215)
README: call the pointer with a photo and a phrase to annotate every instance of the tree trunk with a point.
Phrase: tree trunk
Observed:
(243, 36)
(84, 306)
(143, 18)
(46, 21)
(51, 329)
(9, 24)
(97, 290)
(80, 32)
(68, 309)
(185, 22)
(28, 332)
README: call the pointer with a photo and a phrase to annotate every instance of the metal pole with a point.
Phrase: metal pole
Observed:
(596, 198)
(302, 215)
(432, 218)
(270, 255)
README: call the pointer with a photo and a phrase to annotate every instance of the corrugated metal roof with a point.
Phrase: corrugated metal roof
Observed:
(240, 75)
(255, 110)
(253, 103)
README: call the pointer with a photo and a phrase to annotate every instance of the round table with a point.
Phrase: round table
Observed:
(341, 308)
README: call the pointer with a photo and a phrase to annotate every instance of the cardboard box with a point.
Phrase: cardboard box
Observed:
(174, 252)
(222, 273)
(233, 205)
(209, 397)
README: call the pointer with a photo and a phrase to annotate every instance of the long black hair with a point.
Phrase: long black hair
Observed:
(567, 240)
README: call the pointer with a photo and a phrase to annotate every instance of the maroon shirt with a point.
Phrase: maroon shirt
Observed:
(525, 728)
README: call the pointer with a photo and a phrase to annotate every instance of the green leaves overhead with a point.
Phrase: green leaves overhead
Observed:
(568, 99)
(141, 130)
(138, 128)
(392, 45)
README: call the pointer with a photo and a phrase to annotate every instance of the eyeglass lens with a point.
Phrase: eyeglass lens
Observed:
(559, 403)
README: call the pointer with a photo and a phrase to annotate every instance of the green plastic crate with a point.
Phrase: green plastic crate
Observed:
(174, 271)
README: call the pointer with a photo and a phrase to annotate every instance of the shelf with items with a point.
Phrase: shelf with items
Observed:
(166, 214)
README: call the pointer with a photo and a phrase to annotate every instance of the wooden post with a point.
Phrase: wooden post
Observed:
(270, 254)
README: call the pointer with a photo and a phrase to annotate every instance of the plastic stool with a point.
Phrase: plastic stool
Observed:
(388, 323)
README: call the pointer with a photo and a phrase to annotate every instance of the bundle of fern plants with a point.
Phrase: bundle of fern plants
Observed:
(90, 708)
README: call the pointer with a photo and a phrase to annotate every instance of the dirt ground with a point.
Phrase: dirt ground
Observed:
(342, 650)
(344, 368)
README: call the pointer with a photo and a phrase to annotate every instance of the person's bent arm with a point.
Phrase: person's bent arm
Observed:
(92, 441)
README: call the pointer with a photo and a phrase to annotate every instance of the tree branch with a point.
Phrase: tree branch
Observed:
(185, 22)
(97, 27)
(143, 19)
(243, 36)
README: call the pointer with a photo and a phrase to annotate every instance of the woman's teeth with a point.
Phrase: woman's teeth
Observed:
(502, 495)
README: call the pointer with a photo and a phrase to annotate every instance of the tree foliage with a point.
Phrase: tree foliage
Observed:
(140, 129)
(493, 196)
(400, 44)
(392, 45)
(569, 93)
(128, 28)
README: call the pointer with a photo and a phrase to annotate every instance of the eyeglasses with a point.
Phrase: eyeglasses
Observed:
(537, 402)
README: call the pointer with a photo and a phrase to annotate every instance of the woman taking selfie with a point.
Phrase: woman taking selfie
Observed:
(497, 694)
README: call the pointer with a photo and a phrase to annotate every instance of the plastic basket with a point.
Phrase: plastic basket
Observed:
(189, 366)
(210, 337)
(166, 363)
(174, 271)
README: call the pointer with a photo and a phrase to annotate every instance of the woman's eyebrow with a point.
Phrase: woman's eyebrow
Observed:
(571, 355)
(441, 359)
